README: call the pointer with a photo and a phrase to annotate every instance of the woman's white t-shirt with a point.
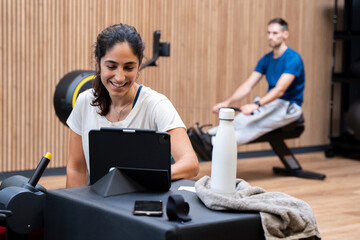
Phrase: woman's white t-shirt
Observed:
(152, 110)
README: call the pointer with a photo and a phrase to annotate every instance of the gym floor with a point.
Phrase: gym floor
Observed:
(335, 200)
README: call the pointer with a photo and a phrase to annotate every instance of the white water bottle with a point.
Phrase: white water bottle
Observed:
(224, 154)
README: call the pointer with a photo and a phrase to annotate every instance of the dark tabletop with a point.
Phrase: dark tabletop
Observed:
(80, 213)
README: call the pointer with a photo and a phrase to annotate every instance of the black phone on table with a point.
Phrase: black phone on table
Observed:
(148, 208)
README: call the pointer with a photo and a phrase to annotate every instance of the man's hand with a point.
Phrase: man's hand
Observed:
(217, 107)
(243, 90)
(248, 109)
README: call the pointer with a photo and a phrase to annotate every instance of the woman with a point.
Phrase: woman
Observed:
(116, 100)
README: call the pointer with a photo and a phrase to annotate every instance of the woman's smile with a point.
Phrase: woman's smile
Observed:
(117, 85)
(119, 68)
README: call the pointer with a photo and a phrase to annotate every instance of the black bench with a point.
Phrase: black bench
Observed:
(276, 139)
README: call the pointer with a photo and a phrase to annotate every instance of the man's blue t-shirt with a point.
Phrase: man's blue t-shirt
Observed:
(289, 62)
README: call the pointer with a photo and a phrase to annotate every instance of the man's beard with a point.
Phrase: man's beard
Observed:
(274, 46)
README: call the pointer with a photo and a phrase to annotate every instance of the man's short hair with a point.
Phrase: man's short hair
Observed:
(284, 25)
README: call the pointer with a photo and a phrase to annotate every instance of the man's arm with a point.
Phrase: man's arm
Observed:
(243, 90)
(284, 82)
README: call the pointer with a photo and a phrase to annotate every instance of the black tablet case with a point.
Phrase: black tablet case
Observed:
(143, 155)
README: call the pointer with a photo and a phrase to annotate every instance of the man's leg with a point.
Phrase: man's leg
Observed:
(274, 115)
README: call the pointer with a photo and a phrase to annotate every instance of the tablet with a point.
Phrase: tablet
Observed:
(144, 155)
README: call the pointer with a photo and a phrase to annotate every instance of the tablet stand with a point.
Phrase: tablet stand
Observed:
(122, 180)
(115, 183)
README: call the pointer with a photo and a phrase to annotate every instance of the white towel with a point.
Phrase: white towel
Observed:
(283, 217)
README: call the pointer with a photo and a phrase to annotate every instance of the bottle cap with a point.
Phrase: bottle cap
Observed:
(227, 113)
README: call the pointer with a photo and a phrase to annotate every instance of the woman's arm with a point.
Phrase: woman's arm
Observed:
(186, 163)
(76, 169)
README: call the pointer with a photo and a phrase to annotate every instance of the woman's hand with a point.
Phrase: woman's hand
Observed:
(186, 163)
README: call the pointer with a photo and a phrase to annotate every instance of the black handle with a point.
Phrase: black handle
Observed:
(39, 171)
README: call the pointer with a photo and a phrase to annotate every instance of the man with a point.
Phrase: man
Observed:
(281, 105)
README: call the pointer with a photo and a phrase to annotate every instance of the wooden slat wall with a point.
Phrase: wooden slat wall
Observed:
(215, 45)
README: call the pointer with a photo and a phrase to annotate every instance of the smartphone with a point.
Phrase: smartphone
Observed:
(148, 208)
